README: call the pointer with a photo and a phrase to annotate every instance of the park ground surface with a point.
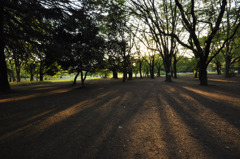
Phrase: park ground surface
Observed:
(142, 118)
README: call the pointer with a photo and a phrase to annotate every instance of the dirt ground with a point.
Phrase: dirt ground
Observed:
(142, 118)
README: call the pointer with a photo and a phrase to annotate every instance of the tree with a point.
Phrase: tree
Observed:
(159, 65)
(186, 64)
(83, 47)
(197, 19)
(4, 85)
(117, 32)
(114, 59)
(160, 17)
(24, 21)
(218, 62)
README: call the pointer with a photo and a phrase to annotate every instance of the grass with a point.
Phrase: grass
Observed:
(45, 82)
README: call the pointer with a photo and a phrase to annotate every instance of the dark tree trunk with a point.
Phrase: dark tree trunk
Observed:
(152, 69)
(12, 72)
(168, 76)
(18, 70)
(218, 64)
(140, 69)
(75, 78)
(41, 76)
(32, 77)
(124, 63)
(239, 67)
(203, 74)
(151, 73)
(83, 78)
(175, 66)
(167, 65)
(130, 74)
(159, 72)
(32, 71)
(124, 76)
(4, 84)
(41, 72)
(227, 66)
(37, 76)
(115, 74)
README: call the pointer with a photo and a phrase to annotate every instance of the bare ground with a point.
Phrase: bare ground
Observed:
(142, 118)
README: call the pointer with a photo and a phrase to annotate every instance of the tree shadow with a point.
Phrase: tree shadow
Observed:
(208, 121)
(108, 119)
(72, 124)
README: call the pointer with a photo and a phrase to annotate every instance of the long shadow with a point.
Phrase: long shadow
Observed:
(26, 114)
(94, 141)
(119, 151)
(213, 144)
(224, 109)
(92, 130)
(168, 136)
(73, 136)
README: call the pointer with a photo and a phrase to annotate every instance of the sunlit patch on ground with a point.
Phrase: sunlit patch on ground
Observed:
(222, 80)
(26, 97)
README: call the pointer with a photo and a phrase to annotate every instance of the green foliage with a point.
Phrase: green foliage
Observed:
(186, 65)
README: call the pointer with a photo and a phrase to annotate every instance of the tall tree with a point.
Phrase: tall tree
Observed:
(203, 19)
(83, 47)
(160, 17)
(4, 85)
(25, 21)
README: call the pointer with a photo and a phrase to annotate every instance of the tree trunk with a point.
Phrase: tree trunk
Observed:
(152, 73)
(167, 65)
(203, 74)
(175, 66)
(239, 67)
(140, 69)
(18, 70)
(227, 66)
(115, 74)
(41, 76)
(124, 75)
(83, 78)
(124, 64)
(218, 64)
(75, 78)
(147, 73)
(32, 71)
(168, 76)
(159, 73)
(41, 72)
(152, 69)
(12, 72)
(32, 77)
(4, 84)
(130, 74)
(159, 70)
